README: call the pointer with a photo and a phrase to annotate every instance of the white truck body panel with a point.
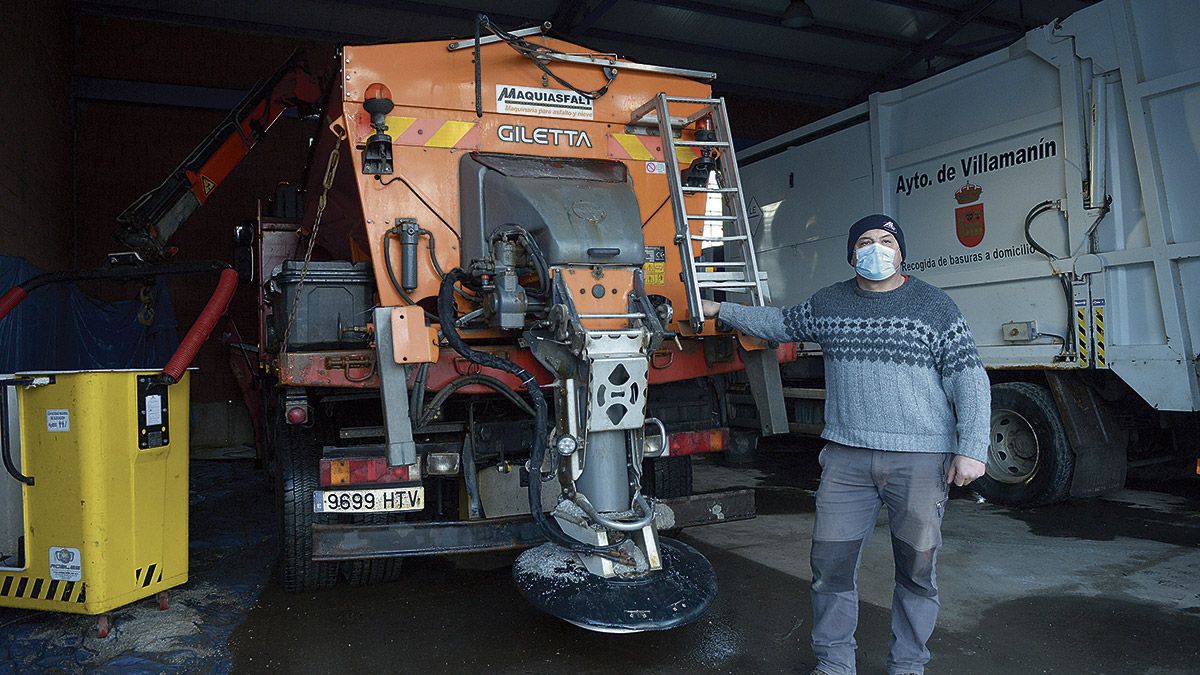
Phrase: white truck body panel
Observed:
(1120, 80)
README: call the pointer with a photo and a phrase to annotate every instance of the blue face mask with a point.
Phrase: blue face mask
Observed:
(875, 262)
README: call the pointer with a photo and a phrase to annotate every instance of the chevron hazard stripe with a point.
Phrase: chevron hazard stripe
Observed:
(431, 133)
(645, 148)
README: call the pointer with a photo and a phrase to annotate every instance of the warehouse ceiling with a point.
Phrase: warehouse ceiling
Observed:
(832, 53)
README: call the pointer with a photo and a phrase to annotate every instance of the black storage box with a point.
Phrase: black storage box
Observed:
(334, 308)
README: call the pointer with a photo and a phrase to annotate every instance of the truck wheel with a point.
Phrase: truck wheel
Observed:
(667, 477)
(371, 572)
(297, 458)
(1030, 462)
(375, 570)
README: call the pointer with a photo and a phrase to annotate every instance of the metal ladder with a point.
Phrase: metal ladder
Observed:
(739, 272)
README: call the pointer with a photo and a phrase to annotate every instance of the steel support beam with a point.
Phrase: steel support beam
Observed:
(765, 19)
(734, 54)
(927, 49)
(354, 542)
(946, 10)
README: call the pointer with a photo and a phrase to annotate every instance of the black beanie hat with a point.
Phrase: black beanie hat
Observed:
(877, 221)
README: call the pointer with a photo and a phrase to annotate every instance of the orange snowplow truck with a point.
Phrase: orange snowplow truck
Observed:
(484, 332)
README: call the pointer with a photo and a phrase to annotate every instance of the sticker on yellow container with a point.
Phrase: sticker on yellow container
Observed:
(66, 563)
(58, 421)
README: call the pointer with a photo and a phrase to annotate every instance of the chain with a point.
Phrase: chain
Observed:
(326, 184)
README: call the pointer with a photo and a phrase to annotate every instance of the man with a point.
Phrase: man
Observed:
(907, 412)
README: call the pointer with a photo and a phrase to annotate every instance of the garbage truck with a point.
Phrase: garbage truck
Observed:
(480, 322)
(1050, 189)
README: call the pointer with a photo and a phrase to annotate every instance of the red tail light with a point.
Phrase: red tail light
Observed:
(361, 471)
(698, 442)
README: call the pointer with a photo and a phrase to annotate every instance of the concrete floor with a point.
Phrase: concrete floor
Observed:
(1097, 586)
(1094, 586)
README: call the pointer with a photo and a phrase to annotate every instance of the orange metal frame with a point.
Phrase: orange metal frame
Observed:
(434, 123)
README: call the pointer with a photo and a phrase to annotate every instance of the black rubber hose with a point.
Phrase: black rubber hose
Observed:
(1036, 211)
(447, 314)
(465, 381)
(126, 272)
(387, 263)
(9, 465)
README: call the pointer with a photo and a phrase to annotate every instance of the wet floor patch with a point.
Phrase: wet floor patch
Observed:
(771, 500)
(229, 562)
(471, 618)
(1105, 519)
(1073, 634)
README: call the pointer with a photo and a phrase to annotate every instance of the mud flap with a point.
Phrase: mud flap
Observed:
(393, 389)
(1099, 443)
(766, 386)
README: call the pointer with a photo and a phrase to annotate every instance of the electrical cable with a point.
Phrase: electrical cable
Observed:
(537, 54)
(1068, 345)
(1087, 235)
(655, 212)
(478, 67)
(416, 400)
(402, 179)
(433, 255)
(447, 314)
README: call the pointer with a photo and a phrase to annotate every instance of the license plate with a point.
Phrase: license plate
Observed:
(381, 500)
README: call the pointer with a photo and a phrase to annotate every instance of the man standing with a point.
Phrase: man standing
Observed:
(907, 412)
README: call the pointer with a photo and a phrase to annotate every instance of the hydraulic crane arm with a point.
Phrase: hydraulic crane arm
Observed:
(150, 221)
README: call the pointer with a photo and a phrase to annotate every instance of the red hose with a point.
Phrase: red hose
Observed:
(11, 299)
(203, 327)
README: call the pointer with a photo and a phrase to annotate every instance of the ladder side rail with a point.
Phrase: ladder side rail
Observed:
(731, 166)
(683, 234)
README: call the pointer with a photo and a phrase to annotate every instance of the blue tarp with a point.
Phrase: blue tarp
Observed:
(59, 328)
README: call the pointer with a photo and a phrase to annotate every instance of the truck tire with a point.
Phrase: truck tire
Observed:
(1030, 462)
(667, 477)
(297, 458)
(371, 572)
(375, 570)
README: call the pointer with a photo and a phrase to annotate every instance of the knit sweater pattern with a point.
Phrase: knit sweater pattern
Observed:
(902, 372)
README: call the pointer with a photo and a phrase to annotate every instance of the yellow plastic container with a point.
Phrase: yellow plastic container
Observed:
(106, 520)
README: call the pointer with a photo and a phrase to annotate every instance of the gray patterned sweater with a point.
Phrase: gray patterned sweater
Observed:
(901, 369)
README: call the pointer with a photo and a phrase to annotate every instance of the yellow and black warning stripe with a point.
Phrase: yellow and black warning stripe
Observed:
(1081, 330)
(1098, 328)
(38, 588)
(148, 578)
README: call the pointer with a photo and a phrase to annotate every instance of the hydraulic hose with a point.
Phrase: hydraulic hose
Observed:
(203, 327)
(11, 299)
(447, 314)
(1039, 209)
(16, 294)
(486, 380)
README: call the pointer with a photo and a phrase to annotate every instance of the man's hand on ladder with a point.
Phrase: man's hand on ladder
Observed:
(710, 308)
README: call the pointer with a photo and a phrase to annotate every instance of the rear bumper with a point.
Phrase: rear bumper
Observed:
(351, 542)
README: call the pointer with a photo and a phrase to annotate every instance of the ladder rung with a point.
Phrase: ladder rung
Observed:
(688, 99)
(701, 216)
(702, 144)
(726, 284)
(707, 189)
(721, 263)
(735, 237)
(720, 276)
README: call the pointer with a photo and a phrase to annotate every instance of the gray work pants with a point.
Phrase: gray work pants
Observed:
(855, 483)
